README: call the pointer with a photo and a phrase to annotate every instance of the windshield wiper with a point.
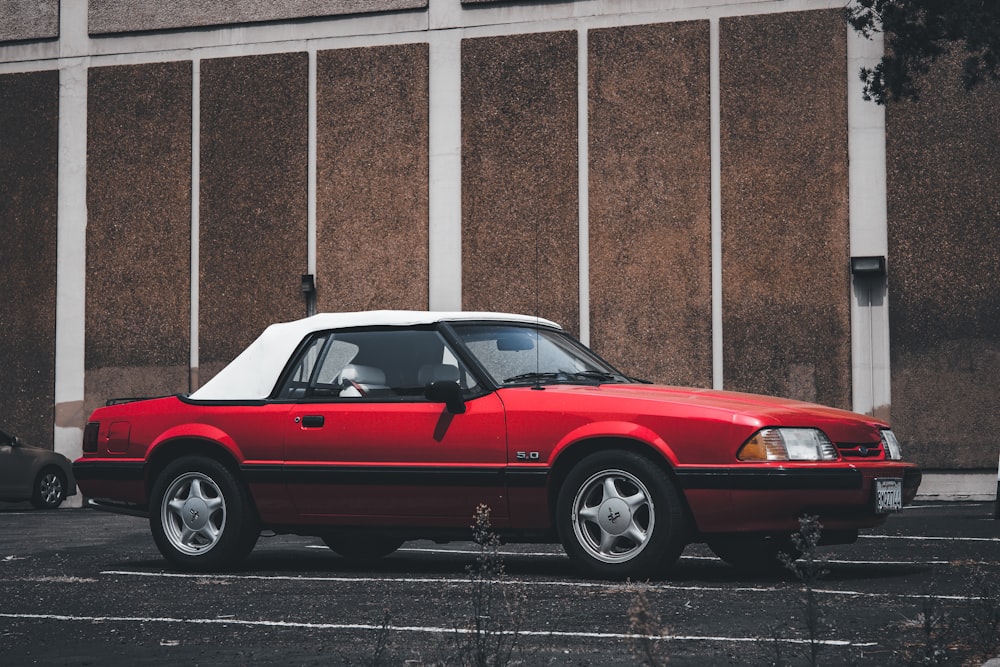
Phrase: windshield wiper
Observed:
(535, 377)
(564, 377)
(599, 376)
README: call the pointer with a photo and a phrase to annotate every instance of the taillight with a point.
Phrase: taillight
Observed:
(90, 436)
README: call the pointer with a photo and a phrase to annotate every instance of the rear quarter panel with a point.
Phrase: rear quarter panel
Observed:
(249, 434)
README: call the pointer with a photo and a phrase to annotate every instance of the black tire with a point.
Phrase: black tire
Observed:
(201, 515)
(754, 554)
(359, 547)
(49, 489)
(619, 515)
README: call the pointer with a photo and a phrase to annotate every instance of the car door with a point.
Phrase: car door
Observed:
(364, 446)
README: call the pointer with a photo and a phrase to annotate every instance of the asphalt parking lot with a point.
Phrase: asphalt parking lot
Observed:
(80, 587)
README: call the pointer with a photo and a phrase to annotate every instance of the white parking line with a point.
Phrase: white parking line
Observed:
(927, 538)
(563, 556)
(421, 629)
(608, 586)
(834, 561)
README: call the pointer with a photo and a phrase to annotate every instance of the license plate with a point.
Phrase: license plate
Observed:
(888, 495)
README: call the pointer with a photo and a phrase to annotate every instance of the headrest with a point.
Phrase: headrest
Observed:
(362, 374)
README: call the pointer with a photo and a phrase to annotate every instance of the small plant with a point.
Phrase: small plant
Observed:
(491, 635)
(778, 659)
(809, 568)
(982, 617)
(380, 653)
(931, 648)
(647, 629)
(965, 634)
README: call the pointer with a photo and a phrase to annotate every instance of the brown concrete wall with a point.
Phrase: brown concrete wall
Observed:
(29, 134)
(138, 317)
(520, 238)
(372, 178)
(253, 245)
(650, 212)
(943, 164)
(786, 315)
(109, 16)
(22, 20)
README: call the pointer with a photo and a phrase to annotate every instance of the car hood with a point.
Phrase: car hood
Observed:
(749, 409)
(32, 448)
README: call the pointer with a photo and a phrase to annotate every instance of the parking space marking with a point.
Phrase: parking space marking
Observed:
(463, 552)
(419, 629)
(563, 556)
(834, 561)
(609, 586)
(928, 538)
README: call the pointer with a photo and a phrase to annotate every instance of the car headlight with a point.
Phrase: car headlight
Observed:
(788, 444)
(890, 445)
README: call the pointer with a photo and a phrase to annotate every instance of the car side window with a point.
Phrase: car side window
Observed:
(378, 364)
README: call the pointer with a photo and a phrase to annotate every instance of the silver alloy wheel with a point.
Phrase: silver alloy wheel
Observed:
(193, 513)
(50, 489)
(613, 516)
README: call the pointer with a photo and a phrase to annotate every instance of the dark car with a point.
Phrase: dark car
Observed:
(31, 473)
(368, 429)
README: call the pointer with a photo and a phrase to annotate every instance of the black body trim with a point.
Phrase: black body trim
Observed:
(112, 471)
(271, 473)
(117, 508)
(769, 479)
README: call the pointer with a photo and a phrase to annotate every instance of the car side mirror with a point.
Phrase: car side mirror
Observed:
(447, 392)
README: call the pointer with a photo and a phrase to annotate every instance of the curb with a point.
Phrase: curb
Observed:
(973, 486)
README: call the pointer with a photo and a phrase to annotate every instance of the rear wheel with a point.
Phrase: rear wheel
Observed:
(49, 489)
(357, 547)
(620, 515)
(201, 516)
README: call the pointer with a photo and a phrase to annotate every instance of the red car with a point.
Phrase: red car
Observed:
(369, 429)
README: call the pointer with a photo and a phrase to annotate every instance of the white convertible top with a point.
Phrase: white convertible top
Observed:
(253, 374)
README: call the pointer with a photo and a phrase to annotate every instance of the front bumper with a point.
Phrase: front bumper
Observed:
(772, 498)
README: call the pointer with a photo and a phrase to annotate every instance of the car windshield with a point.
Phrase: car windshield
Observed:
(525, 355)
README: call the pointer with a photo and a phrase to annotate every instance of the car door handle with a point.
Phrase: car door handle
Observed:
(312, 421)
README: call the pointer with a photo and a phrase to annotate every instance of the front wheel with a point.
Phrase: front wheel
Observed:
(201, 516)
(49, 490)
(620, 515)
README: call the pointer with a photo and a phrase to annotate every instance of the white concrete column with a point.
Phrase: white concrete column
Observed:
(868, 233)
(715, 151)
(194, 373)
(312, 162)
(71, 242)
(583, 195)
(445, 171)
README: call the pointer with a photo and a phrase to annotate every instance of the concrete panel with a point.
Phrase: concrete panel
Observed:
(29, 134)
(519, 176)
(138, 317)
(650, 217)
(943, 163)
(253, 223)
(22, 20)
(110, 16)
(372, 178)
(786, 315)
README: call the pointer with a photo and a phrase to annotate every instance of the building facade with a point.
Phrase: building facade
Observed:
(682, 184)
